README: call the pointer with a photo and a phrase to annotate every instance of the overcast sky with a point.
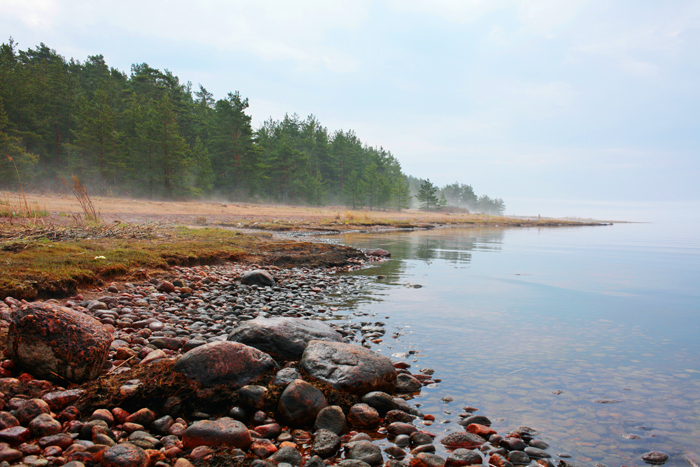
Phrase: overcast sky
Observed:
(577, 107)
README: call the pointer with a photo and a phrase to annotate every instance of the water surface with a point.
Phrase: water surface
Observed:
(588, 334)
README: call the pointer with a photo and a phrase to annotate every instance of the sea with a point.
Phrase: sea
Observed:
(589, 335)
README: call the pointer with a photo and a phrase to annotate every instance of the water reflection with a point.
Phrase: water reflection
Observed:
(577, 333)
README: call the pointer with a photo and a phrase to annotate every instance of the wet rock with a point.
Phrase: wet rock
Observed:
(315, 461)
(104, 415)
(399, 428)
(519, 458)
(258, 277)
(476, 419)
(162, 425)
(427, 460)
(286, 376)
(419, 438)
(513, 444)
(57, 342)
(363, 416)
(225, 363)
(263, 448)
(461, 457)
(10, 455)
(366, 451)
(300, 403)
(31, 409)
(143, 417)
(143, 439)
(222, 432)
(284, 339)
(269, 430)
(353, 463)
(44, 425)
(381, 401)
(407, 384)
(326, 443)
(287, 454)
(7, 420)
(398, 416)
(252, 396)
(498, 460)
(62, 440)
(395, 452)
(462, 440)
(331, 418)
(348, 367)
(538, 443)
(125, 455)
(536, 453)
(655, 457)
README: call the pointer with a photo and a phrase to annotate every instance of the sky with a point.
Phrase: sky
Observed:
(560, 107)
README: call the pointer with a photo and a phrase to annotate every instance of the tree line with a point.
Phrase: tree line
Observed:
(146, 134)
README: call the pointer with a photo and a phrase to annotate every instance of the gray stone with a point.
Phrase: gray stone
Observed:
(331, 418)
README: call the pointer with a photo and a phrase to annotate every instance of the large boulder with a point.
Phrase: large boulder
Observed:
(55, 342)
(283, 338)
(348, 367)
(258, 277)
(225, 363)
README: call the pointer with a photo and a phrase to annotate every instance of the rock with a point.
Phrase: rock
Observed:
(378, 252)
(331, 418)
(31, 409)
(655, 457)
(286, 376)
(477, 419)
(348, 367)
(419, 438)
(398, 416)
(125, 455)
(400, 428)
(284, 339)
(363, 416)
(498, 460)
(10, 455)
(395, 452)
(263, 448)
(44, 425)
(222, 432)
(153, 356)
(163, 424)
(58, 400)
(381, 401)
(300, 403)
(7, 420)
(57, 342)
(407, 383)
(315, 461)
(252, 396)
(62, 440)
(287, 454)
(104, 415)
(258, 277)
(402, 440)
(165, 287)
(366, 451)
(481, 430)
(225, 363)
(461, 457)
(536, 453)
(519, 458)
(269, 430)
(15, 435)
(427, 460)
(144, 440)
(513, 444)
(143, 417)
(326, 443)
(353, 463)
(462, 440)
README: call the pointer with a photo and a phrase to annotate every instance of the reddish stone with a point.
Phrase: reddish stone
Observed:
(120, 415)
(154, 456)
(300, 403)
(52, 451)
(498, 460)
(363, 416)
(225, 363)
(15, 435)
(398, 428)
(69, 414)
(57, 342)
(131, 427)
(143, 417)
(222, 432)
(31, 409)
(263, 448)
(29, 449)
(177, 429)
(200, 452)
(462, 440)
(481, 430)
(44, 425)
(124, 455)
(7, 420)
(271, 430)
(425, 459)
(10, 455)
(172, 452)
(62, 440)
(104, 415)
(58, 400)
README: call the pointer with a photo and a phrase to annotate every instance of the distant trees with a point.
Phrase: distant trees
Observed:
(144, 133)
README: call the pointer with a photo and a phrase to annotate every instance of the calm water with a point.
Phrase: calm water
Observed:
(589, 334)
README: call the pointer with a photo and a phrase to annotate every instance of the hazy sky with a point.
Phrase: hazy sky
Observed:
(557, 106)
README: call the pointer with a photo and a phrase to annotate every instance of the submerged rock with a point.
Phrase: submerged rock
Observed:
(57, 342)
(348, 367)
(225, 363)
(284, 339)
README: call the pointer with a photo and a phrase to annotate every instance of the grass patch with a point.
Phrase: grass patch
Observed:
(43, 268)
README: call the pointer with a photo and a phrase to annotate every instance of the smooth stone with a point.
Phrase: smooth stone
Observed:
(44, 425)
(519, 458)
(125, 455)
(331, 418)
(365, 451)
(300, 403)
(462, 440)
(381, 401)
(407, 384)
(288, 455)
(654, 457)
(363, 416)
(462, 457)
(536, 453)
(477, 419)
(252, 396)
(222, 432)
(258, 277)
(427, 460)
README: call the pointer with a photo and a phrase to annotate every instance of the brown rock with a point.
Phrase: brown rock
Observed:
(363, 416)
(348, 367)
(300, 403)
(62, 440)
(225, 363)
(59, 400)
(462, 440)
(481, 430)
(425, 459)
(44, 425)
(57, 342)
(7, 420)
(125, 455)
(10, 455)
(31, 409)
(104, 415)
(222, 432)
(15, 435)
(143, 417)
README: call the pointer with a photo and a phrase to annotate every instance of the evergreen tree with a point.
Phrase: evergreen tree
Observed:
(426, 195)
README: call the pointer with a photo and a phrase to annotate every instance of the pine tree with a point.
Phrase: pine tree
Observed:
(426, 195)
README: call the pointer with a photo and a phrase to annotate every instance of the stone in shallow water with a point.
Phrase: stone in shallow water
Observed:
(348, 367)
(462, 457)
(363, 416)
(331, 418)
(300, 403)
(655, 457)
(365, 451)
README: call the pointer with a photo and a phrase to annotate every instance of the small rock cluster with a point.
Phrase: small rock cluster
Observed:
(247, 331)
